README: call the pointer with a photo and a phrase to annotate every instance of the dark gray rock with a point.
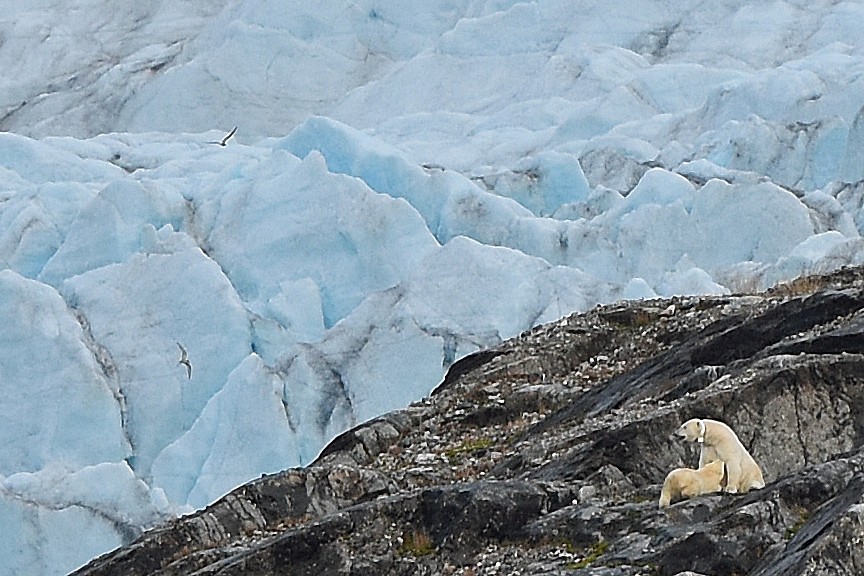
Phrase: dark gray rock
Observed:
(546, 456)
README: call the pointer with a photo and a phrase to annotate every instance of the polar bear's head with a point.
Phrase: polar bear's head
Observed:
(715, 473)
(693, 430)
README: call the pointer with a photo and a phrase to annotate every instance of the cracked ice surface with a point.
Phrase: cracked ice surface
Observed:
(408, 184)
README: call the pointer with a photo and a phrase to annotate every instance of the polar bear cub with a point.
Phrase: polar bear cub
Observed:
(719, 442)
(687, 482)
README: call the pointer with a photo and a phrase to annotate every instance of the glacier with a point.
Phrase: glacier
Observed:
(409, 183)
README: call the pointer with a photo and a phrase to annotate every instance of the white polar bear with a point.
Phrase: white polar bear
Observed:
(687, 482)
(719, 442)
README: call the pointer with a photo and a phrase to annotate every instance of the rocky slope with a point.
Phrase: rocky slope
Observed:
(546, 456)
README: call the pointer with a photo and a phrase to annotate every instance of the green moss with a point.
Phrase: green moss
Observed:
(631, 319)
(803, 517)
(643, 318)
(468, 447)
(593, 554)
(417, 544)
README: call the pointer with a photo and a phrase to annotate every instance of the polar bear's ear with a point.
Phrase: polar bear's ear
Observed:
(701, 438)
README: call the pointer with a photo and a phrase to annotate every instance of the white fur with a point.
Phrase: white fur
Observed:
(687, 482)
(719, 442)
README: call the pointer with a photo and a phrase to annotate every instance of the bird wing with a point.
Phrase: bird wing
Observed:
(230, 134)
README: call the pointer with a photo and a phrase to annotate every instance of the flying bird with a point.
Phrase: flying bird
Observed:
(224, 140)
(184, 360)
